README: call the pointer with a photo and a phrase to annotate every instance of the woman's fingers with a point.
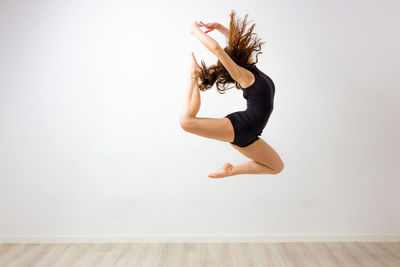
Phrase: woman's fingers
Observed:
(208, 26)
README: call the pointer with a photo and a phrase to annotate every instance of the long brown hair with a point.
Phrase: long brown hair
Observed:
(241, 45)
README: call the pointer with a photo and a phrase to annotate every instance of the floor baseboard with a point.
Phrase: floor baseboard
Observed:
(201, 239)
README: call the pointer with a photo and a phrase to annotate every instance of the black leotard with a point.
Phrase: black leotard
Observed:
(249, 124)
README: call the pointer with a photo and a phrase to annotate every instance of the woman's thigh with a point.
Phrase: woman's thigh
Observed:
(215, 128)
(263, 153)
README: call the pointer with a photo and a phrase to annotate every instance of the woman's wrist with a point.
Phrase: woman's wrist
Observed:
(222, 29)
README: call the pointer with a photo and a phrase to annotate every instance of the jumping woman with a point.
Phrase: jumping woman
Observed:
(242, 128)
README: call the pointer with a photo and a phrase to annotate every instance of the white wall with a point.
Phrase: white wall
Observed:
(90, 142)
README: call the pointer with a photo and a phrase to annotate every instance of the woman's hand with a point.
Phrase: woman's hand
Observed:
(210, 26)
(195, 26)
(195, 70)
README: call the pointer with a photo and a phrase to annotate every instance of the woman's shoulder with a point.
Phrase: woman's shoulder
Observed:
(249, 77)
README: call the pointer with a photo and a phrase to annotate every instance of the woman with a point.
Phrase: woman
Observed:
(242, 128)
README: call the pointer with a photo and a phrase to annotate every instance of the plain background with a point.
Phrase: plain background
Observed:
(90, 141)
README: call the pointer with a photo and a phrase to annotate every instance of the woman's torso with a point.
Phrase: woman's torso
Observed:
(260, 99)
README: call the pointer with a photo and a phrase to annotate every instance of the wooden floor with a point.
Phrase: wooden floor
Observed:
(374, 254)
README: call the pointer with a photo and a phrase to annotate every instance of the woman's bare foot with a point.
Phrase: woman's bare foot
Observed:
(223, 172)
(195, 70)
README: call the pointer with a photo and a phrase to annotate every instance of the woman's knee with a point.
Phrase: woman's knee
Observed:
(279, 169)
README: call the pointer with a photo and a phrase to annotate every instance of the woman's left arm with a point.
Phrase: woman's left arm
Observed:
(206, 40)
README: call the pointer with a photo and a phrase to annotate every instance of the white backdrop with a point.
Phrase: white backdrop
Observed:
(90, 141)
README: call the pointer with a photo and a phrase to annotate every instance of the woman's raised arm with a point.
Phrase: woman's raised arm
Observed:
(238, 73)
(222, 29)
(206, 40)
